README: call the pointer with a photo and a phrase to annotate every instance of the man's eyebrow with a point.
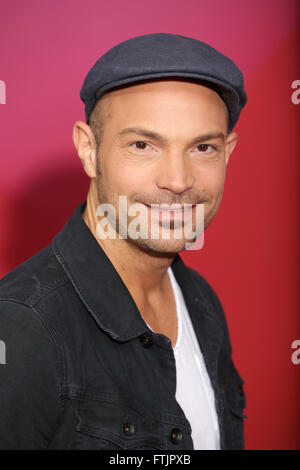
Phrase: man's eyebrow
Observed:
(155, 135)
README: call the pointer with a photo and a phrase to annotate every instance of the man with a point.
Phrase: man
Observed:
(111, 341)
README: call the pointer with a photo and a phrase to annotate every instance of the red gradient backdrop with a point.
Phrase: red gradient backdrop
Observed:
(251, 249)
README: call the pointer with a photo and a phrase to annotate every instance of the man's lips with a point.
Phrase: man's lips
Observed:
(177, 213)
(177, 209)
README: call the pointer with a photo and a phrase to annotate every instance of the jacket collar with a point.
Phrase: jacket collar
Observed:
(99, 285)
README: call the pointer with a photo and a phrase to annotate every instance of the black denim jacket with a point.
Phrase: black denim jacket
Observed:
(82, 369)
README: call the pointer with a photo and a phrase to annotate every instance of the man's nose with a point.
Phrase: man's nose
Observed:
(175, 172)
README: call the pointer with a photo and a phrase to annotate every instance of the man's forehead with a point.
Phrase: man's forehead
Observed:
(136, 98)
(154, 95)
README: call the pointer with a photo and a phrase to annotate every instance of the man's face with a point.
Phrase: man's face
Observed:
(152, 152)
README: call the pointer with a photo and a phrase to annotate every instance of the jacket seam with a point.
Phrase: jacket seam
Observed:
(35, 298)
(59, 349)
(164, 416)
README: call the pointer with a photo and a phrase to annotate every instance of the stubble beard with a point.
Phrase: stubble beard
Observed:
(151, 245)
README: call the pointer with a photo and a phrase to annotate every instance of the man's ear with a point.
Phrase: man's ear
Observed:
(230, 145)
(85, 145)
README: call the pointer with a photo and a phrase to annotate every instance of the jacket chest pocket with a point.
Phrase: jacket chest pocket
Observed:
(113, 426)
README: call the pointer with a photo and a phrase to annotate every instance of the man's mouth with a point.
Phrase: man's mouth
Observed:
(162, 210)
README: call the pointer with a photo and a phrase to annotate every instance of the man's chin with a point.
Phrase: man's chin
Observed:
(161, 246)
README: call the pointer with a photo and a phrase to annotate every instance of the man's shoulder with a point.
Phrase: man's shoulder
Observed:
(33, 278)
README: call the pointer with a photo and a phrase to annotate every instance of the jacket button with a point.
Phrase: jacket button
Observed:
(176, 436)
(146, 341)
(128, 429)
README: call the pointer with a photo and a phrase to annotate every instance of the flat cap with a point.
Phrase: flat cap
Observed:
(157, 55)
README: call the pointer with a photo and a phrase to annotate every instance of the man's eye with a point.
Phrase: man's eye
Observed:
(140, 145)
(204, 147)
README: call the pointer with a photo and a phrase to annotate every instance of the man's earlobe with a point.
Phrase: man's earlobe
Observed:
(230, 145)
(85, 145)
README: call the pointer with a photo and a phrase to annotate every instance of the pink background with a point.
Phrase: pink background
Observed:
(251, 249)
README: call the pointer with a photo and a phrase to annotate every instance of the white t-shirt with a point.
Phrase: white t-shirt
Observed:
(194, 392)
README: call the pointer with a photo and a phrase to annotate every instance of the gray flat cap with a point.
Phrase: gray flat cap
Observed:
(158, 55)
